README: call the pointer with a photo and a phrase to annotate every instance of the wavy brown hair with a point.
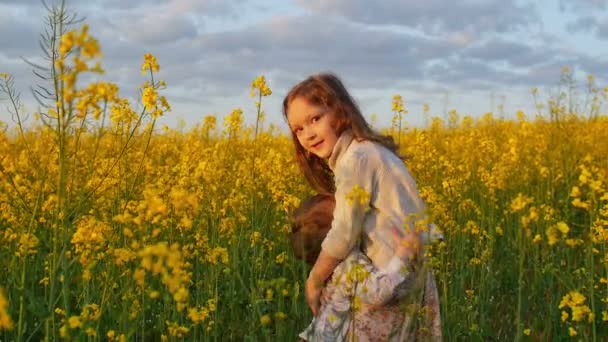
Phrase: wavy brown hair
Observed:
(326, 89)
(310, 224)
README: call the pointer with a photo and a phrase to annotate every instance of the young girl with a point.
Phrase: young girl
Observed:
(339, 153)
(356, 279)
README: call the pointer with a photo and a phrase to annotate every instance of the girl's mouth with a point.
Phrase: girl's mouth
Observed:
(317, 144)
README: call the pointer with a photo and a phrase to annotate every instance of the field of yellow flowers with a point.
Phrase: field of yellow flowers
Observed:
(113, 229)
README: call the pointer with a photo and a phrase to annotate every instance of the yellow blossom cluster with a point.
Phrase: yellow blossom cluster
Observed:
(579, 311)
(259, 84)
(150, 64)
(90, 239)
(5, 318)
(86, 321)
(167, 263)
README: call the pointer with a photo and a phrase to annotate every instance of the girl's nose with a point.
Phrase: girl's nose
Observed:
(309, 133)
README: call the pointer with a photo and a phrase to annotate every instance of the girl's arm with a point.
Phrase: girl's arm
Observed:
(320, 272)
(354, 188)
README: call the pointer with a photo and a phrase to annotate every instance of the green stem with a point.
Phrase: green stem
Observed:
(520, 285)
(257, 120)
(591, 272)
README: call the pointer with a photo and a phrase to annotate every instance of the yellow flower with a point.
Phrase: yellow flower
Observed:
(90, 48)
(254, 238)
(269, 294)
(148, 98)
(552, 235)
(181, 295)
(563, 227)
(74, 322)
(577, 202)
(579, 312)
(520, 202)
(67, 41)
(260, 84)
(63, 331)
(139, 276)
(90, 312)
(398, 104)
(358, 196)
(281, 258)
(150, 63)
(265, 320)
(91, 332)
(28, 244)
(176, 330)
(233, 122)
(5, 319)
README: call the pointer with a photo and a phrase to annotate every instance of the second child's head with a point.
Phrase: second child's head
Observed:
(318, 110)
(311, 222)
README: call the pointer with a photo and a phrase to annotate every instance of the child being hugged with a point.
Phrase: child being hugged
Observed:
(338, 153)
(354, 279)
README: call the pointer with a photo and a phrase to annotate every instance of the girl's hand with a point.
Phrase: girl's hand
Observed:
(407, 246)
(313, 293)
(325, 295)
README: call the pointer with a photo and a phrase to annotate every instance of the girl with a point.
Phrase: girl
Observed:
(311, 222)
(339, 153)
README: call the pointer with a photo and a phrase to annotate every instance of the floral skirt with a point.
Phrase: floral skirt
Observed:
(414, 316)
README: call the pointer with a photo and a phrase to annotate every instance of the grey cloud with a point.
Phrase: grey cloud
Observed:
(602, 28)
(582, 5)
(309, 43)
(456, 71)
(514, 53)
(597, 66)
(548, 74)
(475, 74)
(210, 69)
(584, 24)
(157, 28)
(23, 2)
(17, 36)
(433, 16)
(593, 24)
(590, 16)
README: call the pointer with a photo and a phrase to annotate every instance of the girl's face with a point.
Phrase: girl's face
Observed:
(313, 125)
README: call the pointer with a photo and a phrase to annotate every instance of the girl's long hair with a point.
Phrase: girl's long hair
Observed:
(326, 89)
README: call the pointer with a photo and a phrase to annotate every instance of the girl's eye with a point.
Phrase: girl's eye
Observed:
(315, 118)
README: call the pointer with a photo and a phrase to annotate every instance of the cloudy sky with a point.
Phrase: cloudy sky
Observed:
(471, 55)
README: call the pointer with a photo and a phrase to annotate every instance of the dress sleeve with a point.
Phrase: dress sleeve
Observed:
(354, 187)
(400, 198)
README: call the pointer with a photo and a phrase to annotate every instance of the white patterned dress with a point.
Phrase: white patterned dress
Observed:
(364, 303)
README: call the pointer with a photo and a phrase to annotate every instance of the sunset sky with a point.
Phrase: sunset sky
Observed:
(470, 55)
